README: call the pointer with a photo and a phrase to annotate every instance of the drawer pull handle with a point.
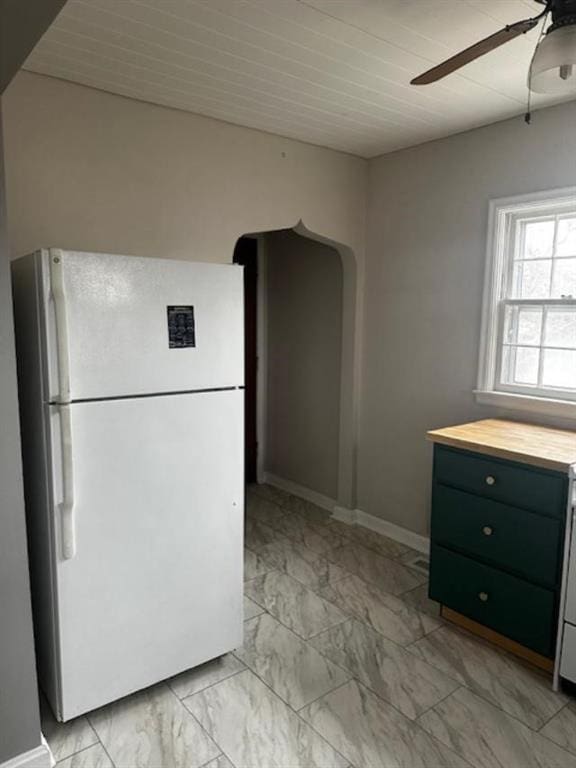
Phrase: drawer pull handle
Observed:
(490, 480)
(483, 596)
(487, 530)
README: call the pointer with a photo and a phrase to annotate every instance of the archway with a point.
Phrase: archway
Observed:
(343, 503)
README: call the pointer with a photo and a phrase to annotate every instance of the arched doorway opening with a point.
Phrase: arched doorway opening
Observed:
(300, 363)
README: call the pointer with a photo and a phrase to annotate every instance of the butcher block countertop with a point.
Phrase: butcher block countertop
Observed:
(526, 443)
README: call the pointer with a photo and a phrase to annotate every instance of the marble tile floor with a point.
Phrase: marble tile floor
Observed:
(345, 664)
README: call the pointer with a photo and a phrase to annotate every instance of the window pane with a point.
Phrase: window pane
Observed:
(529, 325)
(566, 243)
(520, 365)
(532, 279)
(560, 328)
(526, 368)
(559, 369)
(564, 283)
(523, 325)
(538, 240)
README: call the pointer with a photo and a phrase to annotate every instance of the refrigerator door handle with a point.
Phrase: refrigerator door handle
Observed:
(63, 401)
(60, 315)
(67, 522)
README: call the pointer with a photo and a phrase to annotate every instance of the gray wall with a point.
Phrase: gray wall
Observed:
(22, 22)
(19, 719)
(89, 170)
(427, 220)
(304, 340)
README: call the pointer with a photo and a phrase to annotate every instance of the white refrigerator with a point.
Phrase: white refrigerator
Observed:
(131, 396)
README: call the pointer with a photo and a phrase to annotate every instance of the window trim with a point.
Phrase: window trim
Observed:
(502, 212)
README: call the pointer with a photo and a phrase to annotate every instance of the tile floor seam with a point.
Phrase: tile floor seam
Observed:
(213, 758)
(456, 752)
(99, 739)
(204, 731)
(478, 692)
(492, 703)
(292, 629)
(326, 693)
(321, 736)
(366, 623)
(406, 591)
(248, 669)
(368, 687)
(333, 626)
(327, 658)
(431, 663)
(570, 750)
(361, 546)
(78, 752)
(230, 653)
(435, 629)
(506, 714)
(437, 703)
(392, 704)
(290, 707)
(346, 575)
(316, 589)
(552, 718)
(249, 581)
(216, 682)
(497, 706)
(293, 538)
(339, 685)
(551, 741)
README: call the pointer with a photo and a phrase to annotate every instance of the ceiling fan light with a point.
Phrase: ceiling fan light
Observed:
(554, 63)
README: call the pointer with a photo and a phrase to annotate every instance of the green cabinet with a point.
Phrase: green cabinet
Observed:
(506, 537)
(513, 607)
(520, 485)
(497, 530)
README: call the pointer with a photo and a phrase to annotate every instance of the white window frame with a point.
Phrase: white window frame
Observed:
(503, 214)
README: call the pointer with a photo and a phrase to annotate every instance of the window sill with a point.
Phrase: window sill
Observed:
(565, 409)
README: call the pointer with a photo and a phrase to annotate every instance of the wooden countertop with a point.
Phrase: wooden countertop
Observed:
(527, 443)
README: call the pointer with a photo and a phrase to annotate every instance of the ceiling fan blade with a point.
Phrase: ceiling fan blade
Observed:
(475, 51)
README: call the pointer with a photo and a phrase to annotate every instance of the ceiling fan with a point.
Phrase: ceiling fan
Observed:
(553, 67)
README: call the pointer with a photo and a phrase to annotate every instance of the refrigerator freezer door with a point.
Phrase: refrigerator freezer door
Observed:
(155, 585)
(141, 326)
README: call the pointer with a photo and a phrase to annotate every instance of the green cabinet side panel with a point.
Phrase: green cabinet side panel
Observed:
(519, 485)
(513, 607)
(504, 536)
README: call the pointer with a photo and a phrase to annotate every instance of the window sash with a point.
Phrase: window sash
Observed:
(505, 220)
(536, 390)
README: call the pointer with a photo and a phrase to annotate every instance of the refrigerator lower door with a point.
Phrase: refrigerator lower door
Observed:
(155, 584)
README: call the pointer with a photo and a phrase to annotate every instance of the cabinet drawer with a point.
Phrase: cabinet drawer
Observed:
(535, 489)
(508, 537)
(505, 603)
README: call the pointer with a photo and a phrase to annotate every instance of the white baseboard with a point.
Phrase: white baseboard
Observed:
(344, 515)
(299, 490)
(39, 757)
(352, 516)
(396, 532)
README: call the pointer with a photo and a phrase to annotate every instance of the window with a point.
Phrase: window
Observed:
(528, 350)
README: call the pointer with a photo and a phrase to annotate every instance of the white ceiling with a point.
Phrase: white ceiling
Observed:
(329, 72)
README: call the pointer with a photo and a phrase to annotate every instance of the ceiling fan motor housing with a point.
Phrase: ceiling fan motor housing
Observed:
(563, 14)
(553, 67)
